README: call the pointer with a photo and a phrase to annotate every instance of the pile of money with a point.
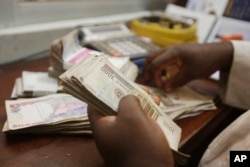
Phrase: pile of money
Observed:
(34, 84)
(183, 102)
(71, 52)
(57, 113)
(96, 81)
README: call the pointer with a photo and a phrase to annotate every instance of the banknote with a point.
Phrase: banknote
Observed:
(81, 128)
(95, 80)
(34, 84)
(182, 101)
(46, 110)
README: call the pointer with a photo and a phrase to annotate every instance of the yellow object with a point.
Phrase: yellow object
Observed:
(164, 31)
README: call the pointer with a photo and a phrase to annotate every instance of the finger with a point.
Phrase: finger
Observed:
(180, 79)
(93, 114)
(156, 99)
(130, 108)
(145, 88)
(147, 65)
(158, 68)
(101, 125)
(170, 56)
(163, 64)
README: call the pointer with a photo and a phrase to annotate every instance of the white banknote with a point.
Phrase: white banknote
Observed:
(182, 101)
(23, 113)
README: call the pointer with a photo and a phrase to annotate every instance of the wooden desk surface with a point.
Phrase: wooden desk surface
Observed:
(68, 150)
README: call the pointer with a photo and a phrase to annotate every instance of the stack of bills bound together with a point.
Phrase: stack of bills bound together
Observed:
(57, 113)
(61, 62)
(96, 81)
(183, 102)
(34, 84)
(43, 95)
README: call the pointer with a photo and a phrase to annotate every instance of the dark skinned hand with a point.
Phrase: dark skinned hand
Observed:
(131, 138)
(193, 61)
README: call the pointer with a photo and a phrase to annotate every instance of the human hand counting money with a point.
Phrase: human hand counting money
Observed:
(189, 61)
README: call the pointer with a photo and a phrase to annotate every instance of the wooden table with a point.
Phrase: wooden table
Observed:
(26, 150)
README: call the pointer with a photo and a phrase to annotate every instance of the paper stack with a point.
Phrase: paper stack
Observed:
(57, 113)
(96, 81)
(183, 102)
(71, 52)
(34, 84)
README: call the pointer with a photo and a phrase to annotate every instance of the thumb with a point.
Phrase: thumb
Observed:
(98, 121)
(176, 81)
(130, 108)
(93, 114)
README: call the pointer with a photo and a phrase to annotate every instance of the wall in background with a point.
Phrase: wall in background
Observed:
(29, 27)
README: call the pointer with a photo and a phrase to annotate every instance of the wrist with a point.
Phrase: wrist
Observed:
(227, 54)
(221, 55)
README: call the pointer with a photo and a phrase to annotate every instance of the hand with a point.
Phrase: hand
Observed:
(130, 138)
(192, 60)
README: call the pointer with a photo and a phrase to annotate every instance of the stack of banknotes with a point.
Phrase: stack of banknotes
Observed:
(34, 84)
(183, 102)
(69, 56)
(96, 81)
(106, 79)
(56, 113)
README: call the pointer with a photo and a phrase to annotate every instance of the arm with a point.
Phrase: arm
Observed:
(236, 92)
(131, 138)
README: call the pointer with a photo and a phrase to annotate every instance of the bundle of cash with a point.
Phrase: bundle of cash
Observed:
(34, 84)
(57, 113)
(96, 81)
(183, 102)
(61, 60)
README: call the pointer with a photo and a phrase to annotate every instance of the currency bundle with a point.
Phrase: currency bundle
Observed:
(183, 102)
(56, 113)
(34, 84)
(96, 81)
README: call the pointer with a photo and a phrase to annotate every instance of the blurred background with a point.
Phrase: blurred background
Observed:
(28, 27)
